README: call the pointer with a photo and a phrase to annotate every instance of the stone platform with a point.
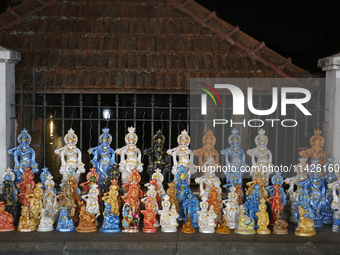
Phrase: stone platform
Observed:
(325, 242)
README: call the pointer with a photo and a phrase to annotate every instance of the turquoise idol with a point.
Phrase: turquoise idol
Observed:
(110, 222)
(103, 156)
(64, 223)
(234, 159)
(24, 156)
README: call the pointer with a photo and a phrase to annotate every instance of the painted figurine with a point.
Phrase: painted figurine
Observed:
(158, 176)
(92, 179)
(112, 197)
(245, 224)
(206, 220)
(251, 185)
(49, 199)
(66, 200)
(134, 180)
(103, 156)
(208, 150)
(35, 203)
(304, 202)
(329, 177)
(168, 217)
(8, 192)
(76, 196)
(130, 222)
(184, 154)
(305, 224)
(91, 199)
(253, 202)
(187, 228)
(208, 179)
(26, 186)
(277, 179)
(172, 193)
(191, 207)
(301, 169)
(235, 158)
(46, 221)
(231, 209)
(335, 186)
(276, 205)
(111, 220)
(280, 225)
(132, 197)
(24, 156)
(133, 156)
(152, 194)
(182, 190)
(317, 142)
(26, 223)
(149, 217)
(6, 219)
(222, 228)
(263, 219)
(71, 163)
(157, 156)
(43, 178)
(263, 156)
(214, 201)
(87, 221)
(113, 173)
(64, 223)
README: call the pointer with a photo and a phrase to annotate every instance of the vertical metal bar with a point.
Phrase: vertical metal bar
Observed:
(33, 102)
(134, 109)
(152, 116)
(21, 108)
(62, 118)
(318, 111)
(223, 116)
(99, 102)
(45, 144)
(188, 112)
(294, 135)
(117, 118)
(81, 120)
(170, 127)
(276, 138)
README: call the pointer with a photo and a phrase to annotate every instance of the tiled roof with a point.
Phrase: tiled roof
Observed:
(154, 45)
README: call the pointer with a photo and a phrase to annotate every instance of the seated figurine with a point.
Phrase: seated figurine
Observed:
(187, 227)
(280, 225)
(110, 222)
(305, 225)
(168, 218)
(46, 221)
(149, 217)
(6, 219)
(87, 221)
(245, 223)
(64, 223)
(208, 221)
(26, 224)
(130, 222)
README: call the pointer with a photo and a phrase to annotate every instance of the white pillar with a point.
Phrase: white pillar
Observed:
(331, 128)
(8, 59)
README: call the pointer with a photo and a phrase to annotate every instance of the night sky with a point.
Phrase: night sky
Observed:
(305, 31)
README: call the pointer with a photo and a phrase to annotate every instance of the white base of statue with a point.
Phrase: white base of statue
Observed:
(169, 229)
(207, 230)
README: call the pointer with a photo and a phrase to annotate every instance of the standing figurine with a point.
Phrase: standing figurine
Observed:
(64, 223)
(9, 193)
(91, 199)
(87, 221)
(75, 193)
(73, 162)
(112, 197)
(335, 186)
(103, 156)
(276, 205)
(149, 217)
(132, 197)
(35, 203)
(46, 221)
(26, 224)
(263, 219)
(24, 156)
(263, 156)
(6, 219)
(316, 151)
(66, 200)
(245, 224)
(26, 186)
(134, 180)
(231, 209)
(208, 179)
(111, 220)
(43, 178)
(182, 190)
(92, 179)
(172, 192)
(158, 176)
(157, 156)
(253, 202)
(305, 224)
(206, 219)
(280, 225)
(191, 207)
(49, 198)
(208, 150)
(113, 173)
(133, 156)
(301, 169)
(130, 222)
(168, 218)
(214, 201)
(184, 154)
(235, 158)
(151, 195)
(278, 180)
